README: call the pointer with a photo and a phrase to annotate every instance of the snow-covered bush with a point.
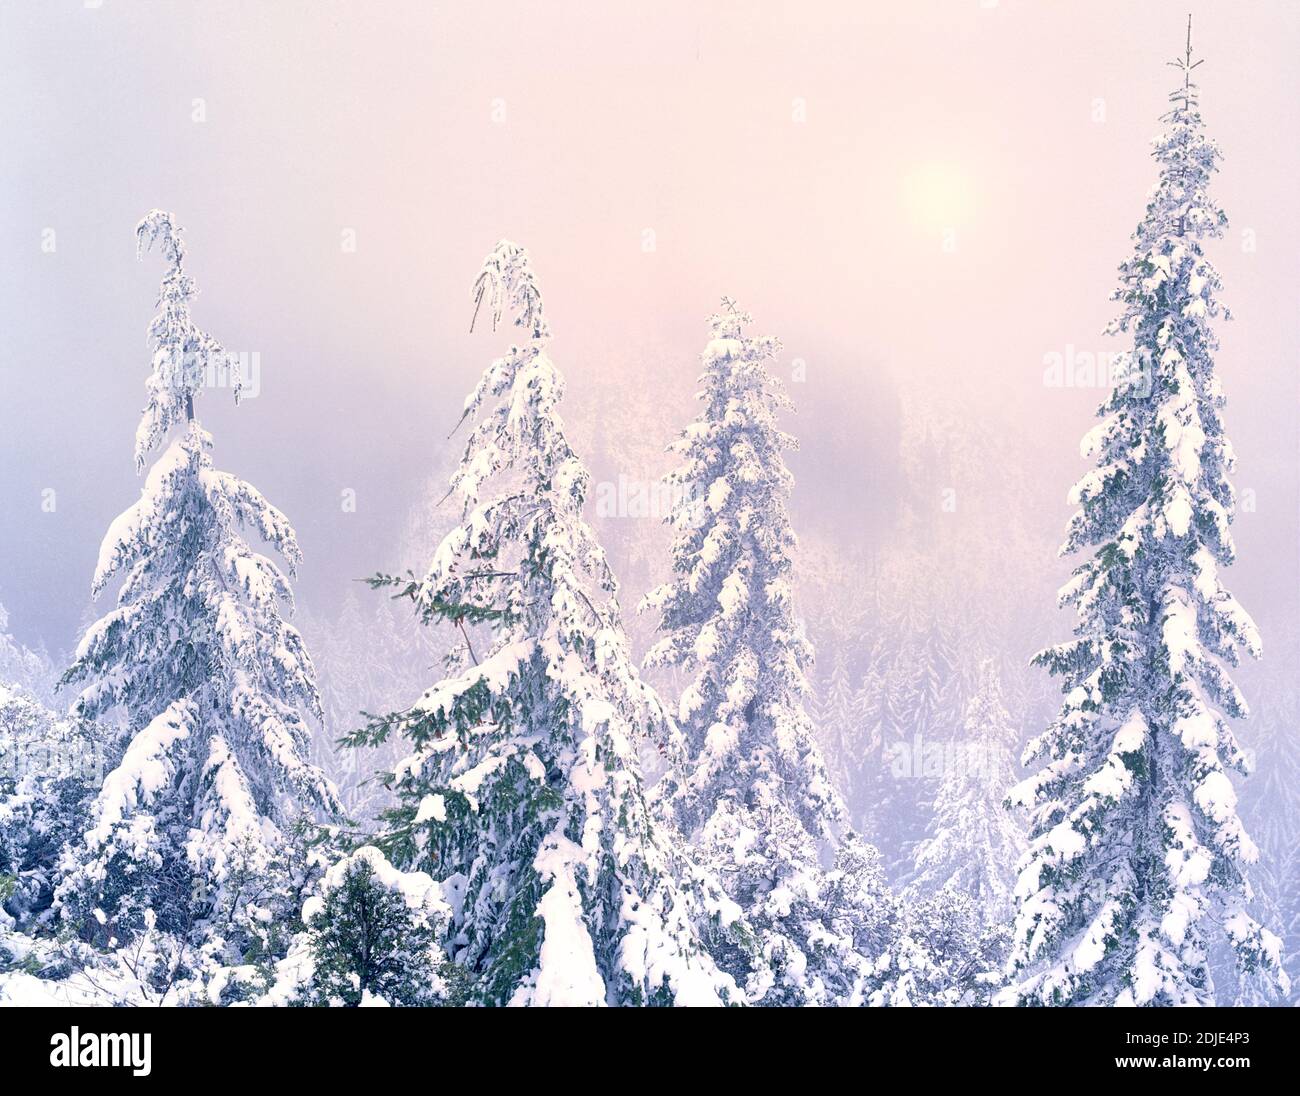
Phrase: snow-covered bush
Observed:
(50, 768)
(257, 923)
(943, 954)
(374, 936)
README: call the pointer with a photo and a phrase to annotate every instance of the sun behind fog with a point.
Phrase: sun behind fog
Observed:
(937, 197)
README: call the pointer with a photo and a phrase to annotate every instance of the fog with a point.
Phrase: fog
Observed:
(924, 201)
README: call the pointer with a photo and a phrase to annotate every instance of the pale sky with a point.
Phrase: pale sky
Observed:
(810, 159)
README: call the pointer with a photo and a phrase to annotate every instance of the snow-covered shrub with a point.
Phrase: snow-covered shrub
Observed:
(942, 953)
(49, 769)
(257, 923)
(374, 935)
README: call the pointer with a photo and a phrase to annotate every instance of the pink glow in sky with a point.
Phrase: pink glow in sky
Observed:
(809, 159)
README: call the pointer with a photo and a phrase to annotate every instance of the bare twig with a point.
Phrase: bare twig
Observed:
(460, 623)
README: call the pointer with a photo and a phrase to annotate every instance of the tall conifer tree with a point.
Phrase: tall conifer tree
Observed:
(752, 792)
(215, 685)
(523, 791)
(1137, 851)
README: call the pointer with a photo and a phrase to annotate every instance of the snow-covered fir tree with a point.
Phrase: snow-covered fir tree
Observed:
(974, 842)
(346, 667)
(865, 763)
(752, 794)
(371, 659)
(522, 792)
(836, 719)
(922, 712)
(367, 660)
(1271, 803)
(1137, 851)
(835, 604)
(911, 705)
(29, 670)
(215, 685)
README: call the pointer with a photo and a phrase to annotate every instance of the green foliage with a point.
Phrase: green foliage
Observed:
(366, 940)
